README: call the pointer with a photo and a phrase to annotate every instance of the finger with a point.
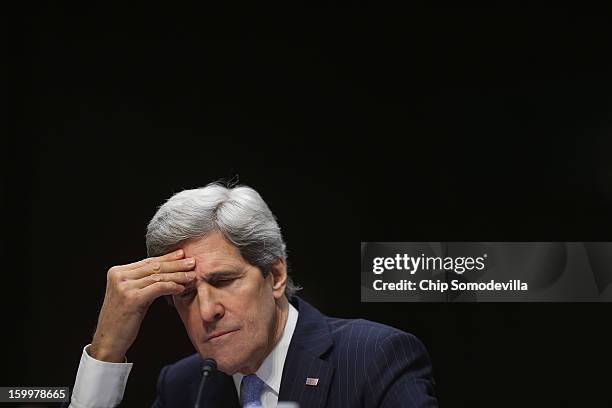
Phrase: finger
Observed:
(182, 278)
(156, 267)
(152, 292)
(171, 256)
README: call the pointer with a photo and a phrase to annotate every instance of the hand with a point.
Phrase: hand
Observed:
(130, 290)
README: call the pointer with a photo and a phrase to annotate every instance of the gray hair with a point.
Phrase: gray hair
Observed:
(238, 212)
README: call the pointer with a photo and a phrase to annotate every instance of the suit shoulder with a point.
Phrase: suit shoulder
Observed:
(360, 334)
(372, 333)
(184, 369)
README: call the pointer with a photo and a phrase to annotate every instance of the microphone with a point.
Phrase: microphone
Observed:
(208, 368)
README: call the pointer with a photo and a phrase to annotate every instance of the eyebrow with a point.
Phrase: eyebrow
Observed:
(216, 275)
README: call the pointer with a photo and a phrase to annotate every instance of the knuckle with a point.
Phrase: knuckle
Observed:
(113, 274)
(122, 289)
(156, 266)
(155, 278)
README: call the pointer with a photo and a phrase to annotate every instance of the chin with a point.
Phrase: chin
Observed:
(227, 367)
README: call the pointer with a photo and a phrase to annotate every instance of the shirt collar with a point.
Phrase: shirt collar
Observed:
(271, 370)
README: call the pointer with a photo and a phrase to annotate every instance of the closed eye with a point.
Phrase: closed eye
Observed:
(219, 283)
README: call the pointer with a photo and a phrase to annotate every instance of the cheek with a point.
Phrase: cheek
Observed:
(261, 319)
(191, 320)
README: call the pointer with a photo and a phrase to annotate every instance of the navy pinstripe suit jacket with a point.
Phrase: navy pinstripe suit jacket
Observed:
(358, 363)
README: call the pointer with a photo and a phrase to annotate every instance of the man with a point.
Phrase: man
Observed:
(217, 253)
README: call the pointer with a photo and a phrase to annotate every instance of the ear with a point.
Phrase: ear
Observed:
(278, 271)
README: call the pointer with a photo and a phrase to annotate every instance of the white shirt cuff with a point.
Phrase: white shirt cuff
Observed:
(99, 384)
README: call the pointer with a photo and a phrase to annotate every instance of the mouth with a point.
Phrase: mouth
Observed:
(219, 335)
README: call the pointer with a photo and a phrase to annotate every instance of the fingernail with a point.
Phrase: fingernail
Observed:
(179, 252)
(190, 275)
(189, 261)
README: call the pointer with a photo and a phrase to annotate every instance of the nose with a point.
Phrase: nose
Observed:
(211, 309)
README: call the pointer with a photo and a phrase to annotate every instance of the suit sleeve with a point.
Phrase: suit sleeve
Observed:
(401, 374)
(161, 380)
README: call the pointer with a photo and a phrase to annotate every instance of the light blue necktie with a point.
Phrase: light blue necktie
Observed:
(250, 391)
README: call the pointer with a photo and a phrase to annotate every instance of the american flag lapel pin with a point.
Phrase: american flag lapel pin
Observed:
(312, 381)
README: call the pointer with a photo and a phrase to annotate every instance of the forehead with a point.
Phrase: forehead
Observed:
(212, 251)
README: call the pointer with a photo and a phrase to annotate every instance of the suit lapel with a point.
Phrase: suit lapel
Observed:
(306, 377)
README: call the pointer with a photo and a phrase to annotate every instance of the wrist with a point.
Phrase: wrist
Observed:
(108, 355)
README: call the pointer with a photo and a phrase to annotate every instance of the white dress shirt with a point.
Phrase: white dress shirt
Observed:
(101, 384)
(98, 383)
(271, 369)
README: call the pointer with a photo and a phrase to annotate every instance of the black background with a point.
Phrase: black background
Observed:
(412, 125)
